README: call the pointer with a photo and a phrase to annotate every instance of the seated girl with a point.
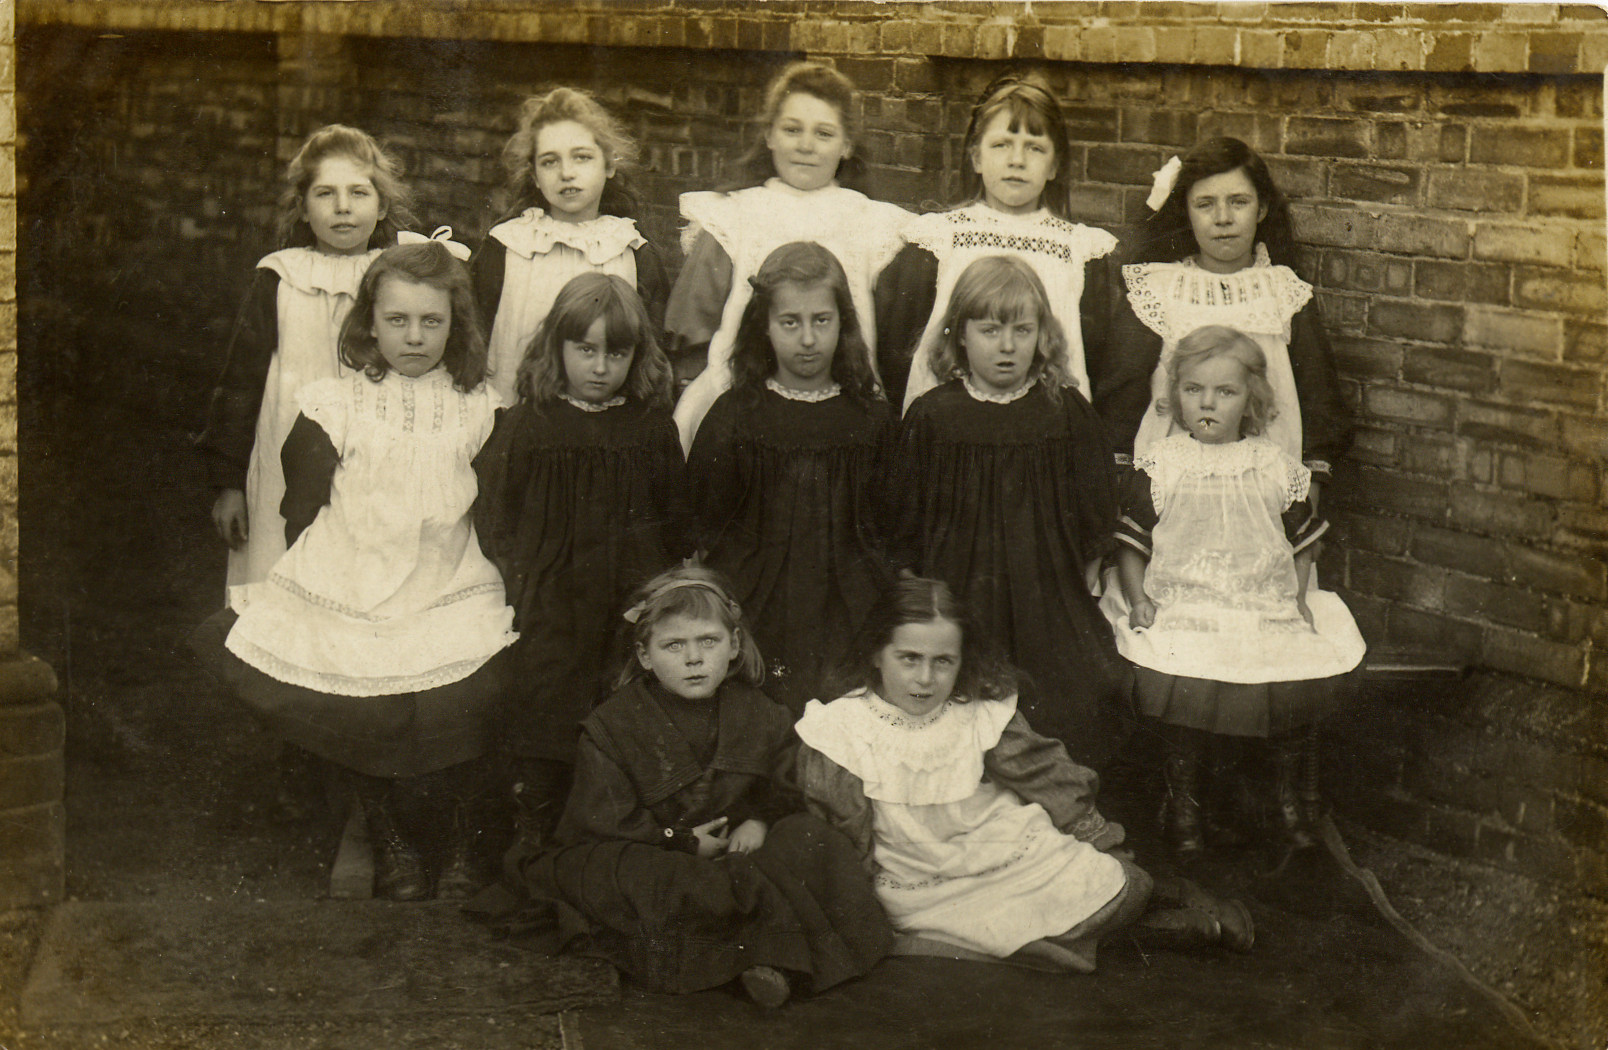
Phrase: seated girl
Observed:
(983, 836)
(677, 860)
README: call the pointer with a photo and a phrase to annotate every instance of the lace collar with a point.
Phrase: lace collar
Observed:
(310, 270)
(593, 406)
(998, 399)
(891, 714)
(811, 396)
(534, 232)
(1173, 299)
(1260, 260)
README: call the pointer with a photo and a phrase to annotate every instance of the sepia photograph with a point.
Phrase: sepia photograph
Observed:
(796, 524)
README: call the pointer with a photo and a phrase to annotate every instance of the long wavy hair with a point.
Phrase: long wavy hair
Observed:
(698, 593)
(754, 359)
(429, 264)
(984, 672)
(1033, 109)
(1001, 288)
(756, 165)
(338, 140)
(1217, 340)
(579, 304)
(560, 104)
(1166, 236)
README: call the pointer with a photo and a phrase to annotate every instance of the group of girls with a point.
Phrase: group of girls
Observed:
(434, 534)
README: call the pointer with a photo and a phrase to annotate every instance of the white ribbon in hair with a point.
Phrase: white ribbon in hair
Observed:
(1161, 183)
(441, 236)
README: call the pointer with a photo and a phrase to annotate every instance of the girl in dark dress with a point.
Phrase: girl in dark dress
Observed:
(581, 499)
(1002, 488)
(781, 468)
(678, 860)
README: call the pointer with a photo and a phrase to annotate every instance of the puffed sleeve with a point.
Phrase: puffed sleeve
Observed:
(836, 796)
(652, 284)
(487, 269)
(603, 805)
(904, 296)
(1038, 770)
(698, 299)
(309, 459)
(502, 469)
(231, 423)
(1302, 526)
(716, 472)
(1097, 495)
(1138, 513)
(1325, 422)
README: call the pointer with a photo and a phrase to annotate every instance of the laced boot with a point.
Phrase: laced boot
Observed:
(1311, 797)
(539, 789)
(1232, 920)
(467, 869)
(1287, 813)
(298, 779)
(1223, 810)
(1180, 810)
(399, 872)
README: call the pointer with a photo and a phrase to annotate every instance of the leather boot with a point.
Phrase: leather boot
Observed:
(1222, 805)
(468, 868)
(539, 790)
(1311, 797)
(1287, 815)
(1235, 929)
(1180, 810)
(399, 872)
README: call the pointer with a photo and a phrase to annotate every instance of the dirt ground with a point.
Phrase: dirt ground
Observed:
(165, 793)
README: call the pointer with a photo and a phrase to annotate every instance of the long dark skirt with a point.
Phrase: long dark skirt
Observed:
(678, 923)
(400, 735)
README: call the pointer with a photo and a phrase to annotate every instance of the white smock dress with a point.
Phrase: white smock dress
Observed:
(962, 861)
(751, 223)
(316, 292)
(542, 254)
(1056, 249)
(387, 590)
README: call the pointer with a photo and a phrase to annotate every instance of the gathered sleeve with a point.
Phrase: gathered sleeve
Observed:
(901, 501)
(1097, 494)
(231, 424)
(676, 517)
(487, 270)
(1038, 770)
(653, 285)
(1326, 427)
(716, 474)
(836, 796)
(1121, 363)
(604, 806)
(697, 301)
(502, 470)
(309, 459)
(1137, 517)
(904, 296)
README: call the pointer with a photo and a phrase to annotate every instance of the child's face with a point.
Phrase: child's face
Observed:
(918, 666)
(1212, 395)
(1000, 353)
(342, 206)
(807, 141)
(804, 334)
(1014, 165)
(689, 656)
(411, 324)
(571, 170)
(1224, 211)
(593, 370)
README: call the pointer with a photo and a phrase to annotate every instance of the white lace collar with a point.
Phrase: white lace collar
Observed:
(1179, 456)
(593, 406)
(811, 396)
(534, 232)
(997, 399)
(1173, 299)
(934, 758)
(310, 270)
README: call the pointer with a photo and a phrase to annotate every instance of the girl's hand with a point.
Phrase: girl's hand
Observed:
(1142, 615)
(1306, 613)
(749, 836)
(711, 843)
(229, 518)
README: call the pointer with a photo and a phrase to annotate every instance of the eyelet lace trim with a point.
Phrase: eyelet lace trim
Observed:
(998, 399)
(1181, 456)
(1174, 299)
(811, 396)
(898, 718)
(590, 406)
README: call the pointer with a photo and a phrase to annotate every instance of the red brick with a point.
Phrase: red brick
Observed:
(1482, 191)
(1163, 127)
(1559, 290)
(1095, 204)
(1453, 146)
(1526, 654)
(1588, 148)
(1090, 123)
(1448, 369)
(1298, 178)
(1494, 603)
(1408, 406)
(1414, 497)
(1368, 357)
(1459, 550)
(1450, 53)
(1498, 513)
(1556, 384)
(1385, 185)
(1372, 533)
(1461, 282)
(1416, 321)
(1507, 424)
(1372, 445)
(1585, 343)
(1512, 330)
(1422, 454)
(1414, 235)
(1132, 165)
(1552, 54)
(1327, 137)
(1257, 130)
(1577, 198)
(1552, 571)
(1537, 147)
(1390, 141)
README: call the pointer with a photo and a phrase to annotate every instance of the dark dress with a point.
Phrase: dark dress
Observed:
(783, 492)
(1007, 503)
(626, 883)
(576, 509)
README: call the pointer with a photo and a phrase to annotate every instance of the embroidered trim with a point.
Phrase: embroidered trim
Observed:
(593, 406)
(1181, 456)
(1173, 299)
(296, 589)
(897, 717)
(810, 396)
(979, 226)
(998, 399)
(342, 685)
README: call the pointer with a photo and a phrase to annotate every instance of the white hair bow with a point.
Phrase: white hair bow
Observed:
(1161, 183)
(441, 236)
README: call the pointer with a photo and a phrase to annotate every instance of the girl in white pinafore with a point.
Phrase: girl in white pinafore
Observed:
(794, 192)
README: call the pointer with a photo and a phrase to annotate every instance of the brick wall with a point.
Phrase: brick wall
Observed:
(1446, 163)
